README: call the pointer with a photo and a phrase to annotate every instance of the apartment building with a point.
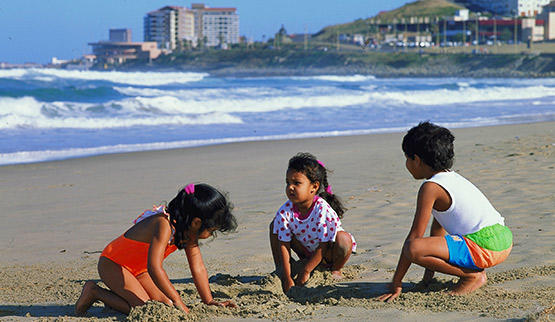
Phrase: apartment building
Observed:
(217, 26)
(525, 8)
(548, 16)
(171, 25)
(168, 26)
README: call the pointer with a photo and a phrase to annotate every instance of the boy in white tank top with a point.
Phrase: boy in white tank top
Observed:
(467, 233)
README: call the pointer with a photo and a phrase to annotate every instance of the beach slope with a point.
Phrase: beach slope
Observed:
(58, 216)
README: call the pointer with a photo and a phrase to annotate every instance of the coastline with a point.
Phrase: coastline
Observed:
(379, 64)
(62, 213)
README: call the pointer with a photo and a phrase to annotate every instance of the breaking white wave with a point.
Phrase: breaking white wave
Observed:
(262, 99)
(464, 95)
(27, 112)
(131, 78)
(337, 78)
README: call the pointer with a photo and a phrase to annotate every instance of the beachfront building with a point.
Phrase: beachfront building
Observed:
(169, 26)
(524, 8)
(548, 16)
(216, 26)
(112, 52)
(172, 26)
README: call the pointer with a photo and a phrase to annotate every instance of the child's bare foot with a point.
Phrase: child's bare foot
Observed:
(470, 284)
(86, 299)
(336, 275)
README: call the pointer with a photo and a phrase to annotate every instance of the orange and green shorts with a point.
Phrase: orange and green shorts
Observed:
(485, 248)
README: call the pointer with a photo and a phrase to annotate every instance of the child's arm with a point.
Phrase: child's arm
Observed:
(427, 195)
(200, 276)
(310, 265)
(285, 254)
(160, 238)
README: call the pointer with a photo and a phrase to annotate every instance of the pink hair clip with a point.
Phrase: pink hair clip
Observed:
(190, 189)
(321, 163)
(328, 190)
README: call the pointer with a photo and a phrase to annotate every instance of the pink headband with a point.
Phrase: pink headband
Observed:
(190, 189)
(328, 188)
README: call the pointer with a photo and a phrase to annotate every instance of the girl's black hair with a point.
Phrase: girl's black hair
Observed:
(315, 171)
(207, 204)
(432, 143)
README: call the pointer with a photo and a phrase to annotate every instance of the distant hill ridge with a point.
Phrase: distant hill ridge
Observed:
(421, 8)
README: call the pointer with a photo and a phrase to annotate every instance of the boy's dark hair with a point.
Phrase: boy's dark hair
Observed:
(315, 171)
(433, 144)
(205, 203)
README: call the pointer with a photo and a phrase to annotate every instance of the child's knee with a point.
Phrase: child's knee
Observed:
(412, 249)
(343, 242)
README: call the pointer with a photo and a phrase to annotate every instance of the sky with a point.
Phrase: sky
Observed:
(37, 30)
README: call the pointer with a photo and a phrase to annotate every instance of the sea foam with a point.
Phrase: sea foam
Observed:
(132, 78)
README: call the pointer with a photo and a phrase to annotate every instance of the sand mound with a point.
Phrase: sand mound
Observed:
(263, 298)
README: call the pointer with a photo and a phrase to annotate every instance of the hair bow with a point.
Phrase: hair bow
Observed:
(190, 189)
(328, 188)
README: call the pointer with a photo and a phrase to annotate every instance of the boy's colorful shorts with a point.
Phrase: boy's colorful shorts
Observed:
(459, 254)
(464, 252)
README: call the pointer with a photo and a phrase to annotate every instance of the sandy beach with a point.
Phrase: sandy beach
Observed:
(58, 216)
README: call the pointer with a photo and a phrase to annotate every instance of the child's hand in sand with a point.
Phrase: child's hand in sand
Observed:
(181, 307)
(394, 292)
(287, 284)
(428, 277)
(222, 304)
(302, 278)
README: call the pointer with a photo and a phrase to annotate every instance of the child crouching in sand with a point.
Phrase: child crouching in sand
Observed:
(467, 233)
(131, 265)
(309, 223)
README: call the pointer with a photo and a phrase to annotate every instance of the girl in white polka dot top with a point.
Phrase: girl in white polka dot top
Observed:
(309, 223)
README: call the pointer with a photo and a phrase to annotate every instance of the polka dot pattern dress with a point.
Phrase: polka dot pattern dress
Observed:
(320, 226)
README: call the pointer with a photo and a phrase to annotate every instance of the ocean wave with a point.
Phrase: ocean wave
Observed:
(27, 112)
(463, 95)
(131, 78)
(66, 93)
(337, 78)
(236, 100)
(48, 155)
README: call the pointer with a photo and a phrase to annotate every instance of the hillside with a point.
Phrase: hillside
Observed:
(291, 61)
(421, 8)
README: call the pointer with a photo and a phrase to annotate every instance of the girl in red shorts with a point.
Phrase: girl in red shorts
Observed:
(131, 265)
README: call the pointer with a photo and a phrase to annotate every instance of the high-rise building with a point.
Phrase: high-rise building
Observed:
(171, 25)
(527, 8)
(548, 16)
(168, 26)
(218, 26)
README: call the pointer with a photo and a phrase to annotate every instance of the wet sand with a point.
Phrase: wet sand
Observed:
(59, 215)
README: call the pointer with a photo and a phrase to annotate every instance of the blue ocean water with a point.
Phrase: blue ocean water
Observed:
(51, 114)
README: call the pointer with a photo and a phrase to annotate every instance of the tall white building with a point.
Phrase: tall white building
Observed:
(170, 25)
(527, 8)
(217, 26)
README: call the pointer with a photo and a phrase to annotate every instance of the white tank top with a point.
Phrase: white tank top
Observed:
(470, 210)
